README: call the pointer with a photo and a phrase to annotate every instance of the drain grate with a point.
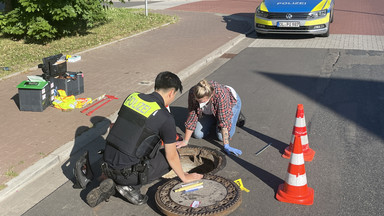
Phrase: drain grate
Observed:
(228, 55)
(145, 82)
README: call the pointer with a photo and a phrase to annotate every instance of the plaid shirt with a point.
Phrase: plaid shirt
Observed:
(222, 102)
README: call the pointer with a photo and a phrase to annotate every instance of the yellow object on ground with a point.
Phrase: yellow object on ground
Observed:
(64, 102)
(82, 102)
(240, 183)
(188, 187)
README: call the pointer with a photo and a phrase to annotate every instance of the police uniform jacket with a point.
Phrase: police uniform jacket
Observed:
(160, 122)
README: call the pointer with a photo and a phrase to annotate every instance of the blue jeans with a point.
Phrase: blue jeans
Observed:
(206, 122)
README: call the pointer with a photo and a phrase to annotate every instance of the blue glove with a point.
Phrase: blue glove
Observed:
(229, 150)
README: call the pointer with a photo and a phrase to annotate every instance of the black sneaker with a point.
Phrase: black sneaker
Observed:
(240, 120)
(132, 195)
(101, 193)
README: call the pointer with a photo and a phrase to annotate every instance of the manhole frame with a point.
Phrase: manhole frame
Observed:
(219, 154)
(229, 204)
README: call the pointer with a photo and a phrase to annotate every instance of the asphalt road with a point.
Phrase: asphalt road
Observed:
(343, 96)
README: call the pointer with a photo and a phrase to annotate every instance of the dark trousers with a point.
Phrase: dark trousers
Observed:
(158, 166)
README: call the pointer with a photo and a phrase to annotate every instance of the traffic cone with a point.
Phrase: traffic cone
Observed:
(300, 130)
(295, 189)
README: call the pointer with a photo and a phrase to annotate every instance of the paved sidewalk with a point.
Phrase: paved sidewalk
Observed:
(32, 142)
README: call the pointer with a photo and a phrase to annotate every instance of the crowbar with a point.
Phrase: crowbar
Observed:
(110, 98)
(98, 101)
(261, 150)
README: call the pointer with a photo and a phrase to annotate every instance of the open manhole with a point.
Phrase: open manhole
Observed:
(201, 160)
(218, 196)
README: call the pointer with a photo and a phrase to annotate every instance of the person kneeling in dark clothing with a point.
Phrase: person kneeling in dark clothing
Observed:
(132, 156)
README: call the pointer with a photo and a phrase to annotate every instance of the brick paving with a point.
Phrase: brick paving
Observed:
(228, 7)
(116, 69)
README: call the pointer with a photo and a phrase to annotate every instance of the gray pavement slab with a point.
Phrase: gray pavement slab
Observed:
(336, 41)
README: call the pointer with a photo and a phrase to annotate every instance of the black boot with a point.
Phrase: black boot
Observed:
(82, 171)
(240, 120)
(101, 193)
(132, 195)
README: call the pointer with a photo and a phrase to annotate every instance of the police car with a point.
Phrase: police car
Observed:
(294, 17)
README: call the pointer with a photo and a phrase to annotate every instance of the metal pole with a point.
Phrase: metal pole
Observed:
(146, 7)
(265, 147)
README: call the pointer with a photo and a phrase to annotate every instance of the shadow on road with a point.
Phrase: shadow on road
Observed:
(268, 178)
(87, 142)
(180, 114)
(16, 99)
(283, 36)
(152, 192)
(356, 100)
(267, 139)
(239, 22)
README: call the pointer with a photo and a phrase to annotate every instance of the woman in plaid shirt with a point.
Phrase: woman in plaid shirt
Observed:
(212, 104)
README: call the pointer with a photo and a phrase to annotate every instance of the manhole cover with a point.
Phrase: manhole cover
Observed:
(218, 196)
(201, 160)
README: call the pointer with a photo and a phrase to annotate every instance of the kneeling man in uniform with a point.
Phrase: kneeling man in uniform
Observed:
(132, 156)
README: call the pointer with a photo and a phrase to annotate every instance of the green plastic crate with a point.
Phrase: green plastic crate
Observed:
(34, 96)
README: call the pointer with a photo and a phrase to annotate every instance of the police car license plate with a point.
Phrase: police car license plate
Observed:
(288, 24)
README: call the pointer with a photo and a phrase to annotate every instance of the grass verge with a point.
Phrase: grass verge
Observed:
(19, 56)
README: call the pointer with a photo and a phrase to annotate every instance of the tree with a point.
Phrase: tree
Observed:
(8, 4)
(40, 21)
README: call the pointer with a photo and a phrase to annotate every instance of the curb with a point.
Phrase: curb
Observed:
(185, 73)
(59, 156)
(63, 153)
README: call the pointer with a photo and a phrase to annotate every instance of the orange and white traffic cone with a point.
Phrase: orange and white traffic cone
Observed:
(295, 189)
(300, 129)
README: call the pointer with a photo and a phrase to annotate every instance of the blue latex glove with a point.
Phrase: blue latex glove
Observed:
(229, 150)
